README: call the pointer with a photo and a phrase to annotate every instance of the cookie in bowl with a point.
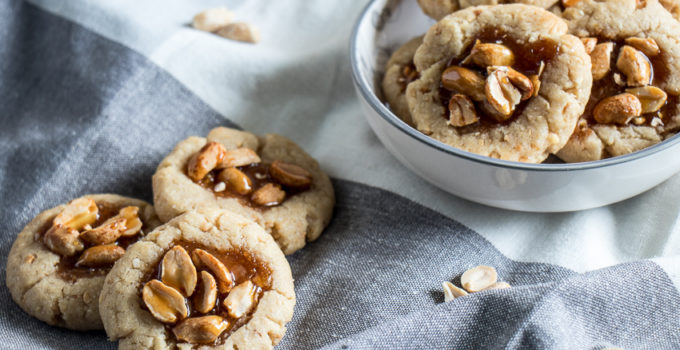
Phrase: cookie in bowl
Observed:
(438, 9)
(634, 99)
(57, 264)
(268, 179)
(399, 72)
(209, 278)
(504, 81)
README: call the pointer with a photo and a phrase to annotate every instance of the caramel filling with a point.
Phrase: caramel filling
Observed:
(208, 313)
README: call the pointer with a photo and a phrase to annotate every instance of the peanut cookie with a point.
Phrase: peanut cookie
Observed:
(57, 265)
(672, 6)
(439, 9)
(208, 278)
(268, 179)
(503, 81)
(399, 72)
(636, 80)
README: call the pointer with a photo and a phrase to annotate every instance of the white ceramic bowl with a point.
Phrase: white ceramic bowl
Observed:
(386, 24)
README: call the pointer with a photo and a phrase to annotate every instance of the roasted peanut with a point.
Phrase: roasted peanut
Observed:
(568, 3)
(225, 281)
(461, 111)
(178, 271)
(268, 195)
(236, 180)
(635, 65)
(498, 285)
(452, 292)
(207, 159)
(648, 46)
(106, 233)
(601, 57)
(651, 98)
(78, 213)
(132, 222)
(206, 293)
(478, 278)
(589, 44)
(464, 81)
(290, 175)
(619, 109)
(165, 303)
(200, 330)
(212, 19)
(501, 94)
(100, 256)
(484, 55)
(521, 82)
(63, 240)
(240, 300)
(239, 157)
(242, 31)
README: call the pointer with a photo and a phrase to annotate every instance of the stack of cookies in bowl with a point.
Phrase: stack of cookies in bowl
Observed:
(203, 267)
(582, 80)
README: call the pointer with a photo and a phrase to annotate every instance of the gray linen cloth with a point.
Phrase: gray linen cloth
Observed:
(82, 114)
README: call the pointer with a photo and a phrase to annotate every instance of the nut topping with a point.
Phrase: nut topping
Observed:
(290, 175)
(239, 157)
(133, 223)
(100, 256)
(78, 213)
(205, 160)
(589, 44)
(619, 109)
(651, 98)
(501, 94)
(648, 46)
(521, 82)
(463, 80)
(241, 31)
(225, 281)
(461, 111)
(478, 278)
(635, 65)
(452, 292)
(165, 303)
(268, 195)
(178, 271)
(200, 330)
(484, 55)
(63, 240)
(106, 233)
(241, 299)
(236, 179)
(206, 293)
(601, 59)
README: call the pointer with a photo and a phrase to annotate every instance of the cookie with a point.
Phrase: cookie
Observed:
(57, 265)
(439, 9)
(503, 81)
(636, 82)
(209, 277)
(672, 6)
(268, 179)
(399, 72)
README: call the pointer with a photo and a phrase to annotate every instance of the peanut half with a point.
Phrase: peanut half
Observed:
(63, 240)
(618, 109)
(178, 271)
(239, 157)
(200, 330)
(201, 163)
(290, 175)
(635, 65)
(484, 55)
(106, 233)
(100, 256)
(78, 213)
(651, 98)
(452, 292)
(205, 297)
(225, 280)
(478, 278)
(241, 31)
(268, 195)
(241, 299)
(463, 80)
(462, 111)
(165, 303)
(133, 223)
(501, 94)
(648, 46)
(236, 179)
(601, 57)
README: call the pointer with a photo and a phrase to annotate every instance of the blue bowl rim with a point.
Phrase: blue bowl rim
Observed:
(392, 119)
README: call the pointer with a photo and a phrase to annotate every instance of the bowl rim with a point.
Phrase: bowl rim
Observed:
(392, 119)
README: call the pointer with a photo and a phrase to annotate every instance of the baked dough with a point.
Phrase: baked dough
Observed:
(394, 84)
(439, 9)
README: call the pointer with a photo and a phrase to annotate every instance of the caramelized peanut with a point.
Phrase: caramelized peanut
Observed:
(63, 240)
(241, 299)
(205, 160)
(464, 81)
(178, 271)
(225, 281)
(651, 98)
(290, 175)
(206, 293)
(78, 213)
(106, 233)
(100, 256)
(601, 59)
(461, 111)
(619, 109)
(648, 46)
(236, 180)
(268, 195)
(489, 54)
(200, 330)
(635, 65)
